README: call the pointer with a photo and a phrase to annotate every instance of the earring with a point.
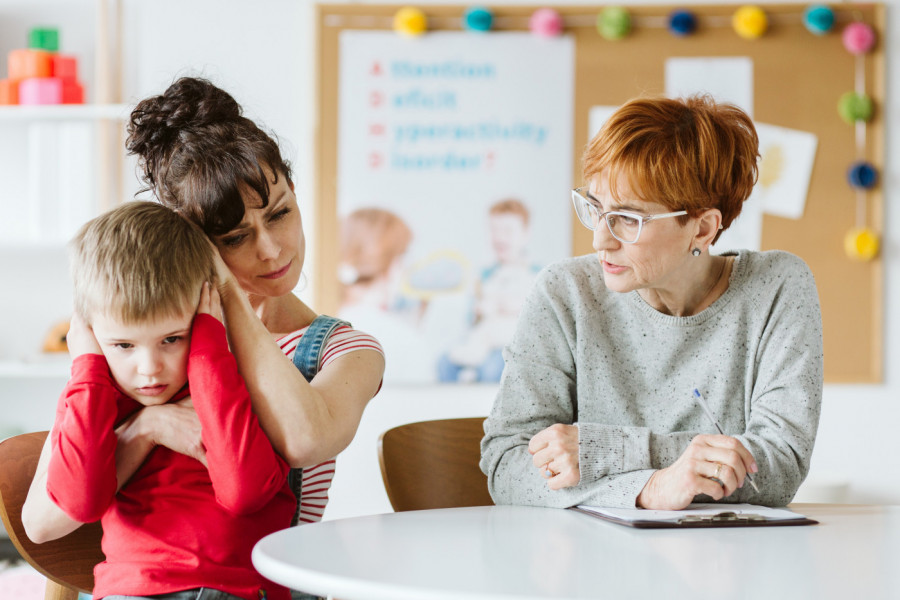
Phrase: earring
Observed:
(696, 251)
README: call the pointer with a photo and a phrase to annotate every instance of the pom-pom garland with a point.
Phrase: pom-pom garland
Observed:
(410, 21)
(682, 23)
(858, 38)
(614, 23)
(818, 19)
(862, 175)
(853, 107)
(750, 22)
(478, 19)
(545, 22)
(861, 244)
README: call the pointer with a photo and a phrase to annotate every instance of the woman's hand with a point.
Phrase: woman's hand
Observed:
(715, 465)
(80, 338)
(174, 425)
(554, 451)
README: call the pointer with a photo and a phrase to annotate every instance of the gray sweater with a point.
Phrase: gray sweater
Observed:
(624, 373)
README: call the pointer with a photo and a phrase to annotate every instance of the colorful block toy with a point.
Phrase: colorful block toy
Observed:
(29, 63)
(44, 38)
(72, 92)
(64, 66)
(40, 75)
(9, 91)
(41, 90)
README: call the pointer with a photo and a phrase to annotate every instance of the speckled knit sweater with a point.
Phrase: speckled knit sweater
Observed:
(624, 373)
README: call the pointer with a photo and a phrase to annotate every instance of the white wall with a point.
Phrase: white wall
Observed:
(262, 51)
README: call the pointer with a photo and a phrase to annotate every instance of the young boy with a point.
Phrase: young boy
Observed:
(148, 323)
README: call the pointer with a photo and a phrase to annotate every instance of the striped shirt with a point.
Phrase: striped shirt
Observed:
(316, 480)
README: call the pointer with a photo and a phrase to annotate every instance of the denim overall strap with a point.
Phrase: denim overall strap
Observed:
(307, 357)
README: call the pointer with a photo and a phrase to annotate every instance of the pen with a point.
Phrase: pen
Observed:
(702, 402)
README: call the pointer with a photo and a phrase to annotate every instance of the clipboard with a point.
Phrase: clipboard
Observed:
(698, 516)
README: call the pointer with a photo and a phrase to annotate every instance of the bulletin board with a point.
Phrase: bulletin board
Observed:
(798, 80)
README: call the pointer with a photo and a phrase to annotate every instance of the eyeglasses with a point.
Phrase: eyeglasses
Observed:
(624, 226)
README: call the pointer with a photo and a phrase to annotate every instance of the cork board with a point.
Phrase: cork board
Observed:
(798, 79)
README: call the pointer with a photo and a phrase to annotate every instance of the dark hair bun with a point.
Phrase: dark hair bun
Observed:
(157, 123)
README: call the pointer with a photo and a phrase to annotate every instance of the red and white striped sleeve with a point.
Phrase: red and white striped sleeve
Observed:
(345, 340)
(316, 480)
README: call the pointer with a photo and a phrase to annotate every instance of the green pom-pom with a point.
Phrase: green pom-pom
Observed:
(855, 107)
(614, 23)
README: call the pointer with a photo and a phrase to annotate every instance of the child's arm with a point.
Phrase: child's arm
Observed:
(81, 474)
(245, 470)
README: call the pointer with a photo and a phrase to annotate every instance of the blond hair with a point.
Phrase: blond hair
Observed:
(139, 262)
(686, 154)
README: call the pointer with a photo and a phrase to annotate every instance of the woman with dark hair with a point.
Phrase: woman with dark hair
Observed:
(201, 157)
(600, 397)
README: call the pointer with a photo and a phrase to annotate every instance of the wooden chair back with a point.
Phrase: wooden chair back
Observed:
(67, 563)
(434, 464)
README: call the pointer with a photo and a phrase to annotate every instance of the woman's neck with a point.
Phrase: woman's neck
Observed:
(281, 314)
(694, 292)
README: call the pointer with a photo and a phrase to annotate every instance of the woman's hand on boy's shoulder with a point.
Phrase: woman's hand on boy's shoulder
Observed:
(210, 302)
(80, 338)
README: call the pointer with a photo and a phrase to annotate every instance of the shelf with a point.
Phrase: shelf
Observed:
(42, 366)
(66, 112)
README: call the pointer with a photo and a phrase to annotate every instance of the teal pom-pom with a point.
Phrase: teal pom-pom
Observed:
(818, 19)
(478, 19)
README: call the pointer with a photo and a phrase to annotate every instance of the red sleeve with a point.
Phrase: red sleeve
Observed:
(81, 476)
(246, 471)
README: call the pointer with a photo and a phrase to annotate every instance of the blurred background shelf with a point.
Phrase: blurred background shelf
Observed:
(66, 112)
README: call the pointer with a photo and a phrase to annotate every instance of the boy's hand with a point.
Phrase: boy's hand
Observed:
(80, 338)
(210, 304)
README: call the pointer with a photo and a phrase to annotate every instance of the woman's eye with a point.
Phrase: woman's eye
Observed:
(123, 346)
(628, 221)
(280, 214)
(172, 339)
(233, 240)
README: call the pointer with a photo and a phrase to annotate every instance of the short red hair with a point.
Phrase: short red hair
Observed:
(686, 154)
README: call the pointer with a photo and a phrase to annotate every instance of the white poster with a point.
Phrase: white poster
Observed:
(454, 163)
(785, 168)
(726, 79)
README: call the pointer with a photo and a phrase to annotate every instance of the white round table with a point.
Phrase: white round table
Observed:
(525, 553)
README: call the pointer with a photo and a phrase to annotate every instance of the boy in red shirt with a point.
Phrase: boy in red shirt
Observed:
(147, 325)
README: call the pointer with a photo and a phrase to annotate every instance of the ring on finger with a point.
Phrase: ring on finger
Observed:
(718, 470)
(547, 472)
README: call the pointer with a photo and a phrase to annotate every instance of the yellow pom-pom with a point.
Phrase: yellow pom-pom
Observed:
(861, 244)
(410, 21)
(750, 22)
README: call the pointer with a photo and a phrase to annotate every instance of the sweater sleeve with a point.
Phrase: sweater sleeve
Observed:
(786, 400)
(245, 470)
(538, 389)
(81, 475)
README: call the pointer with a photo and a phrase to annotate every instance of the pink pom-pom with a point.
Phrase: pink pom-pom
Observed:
(546, 22)
(858, 38)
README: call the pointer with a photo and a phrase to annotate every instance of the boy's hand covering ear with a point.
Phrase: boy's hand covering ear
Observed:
(80, 338)
(210, 303)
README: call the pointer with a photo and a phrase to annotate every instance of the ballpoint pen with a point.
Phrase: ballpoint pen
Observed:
(702, 402)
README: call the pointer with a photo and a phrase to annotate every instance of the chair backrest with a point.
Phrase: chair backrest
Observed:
(434, 464)
(68, 562)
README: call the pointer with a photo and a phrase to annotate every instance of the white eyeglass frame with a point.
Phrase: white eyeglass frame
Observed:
(579, 197)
